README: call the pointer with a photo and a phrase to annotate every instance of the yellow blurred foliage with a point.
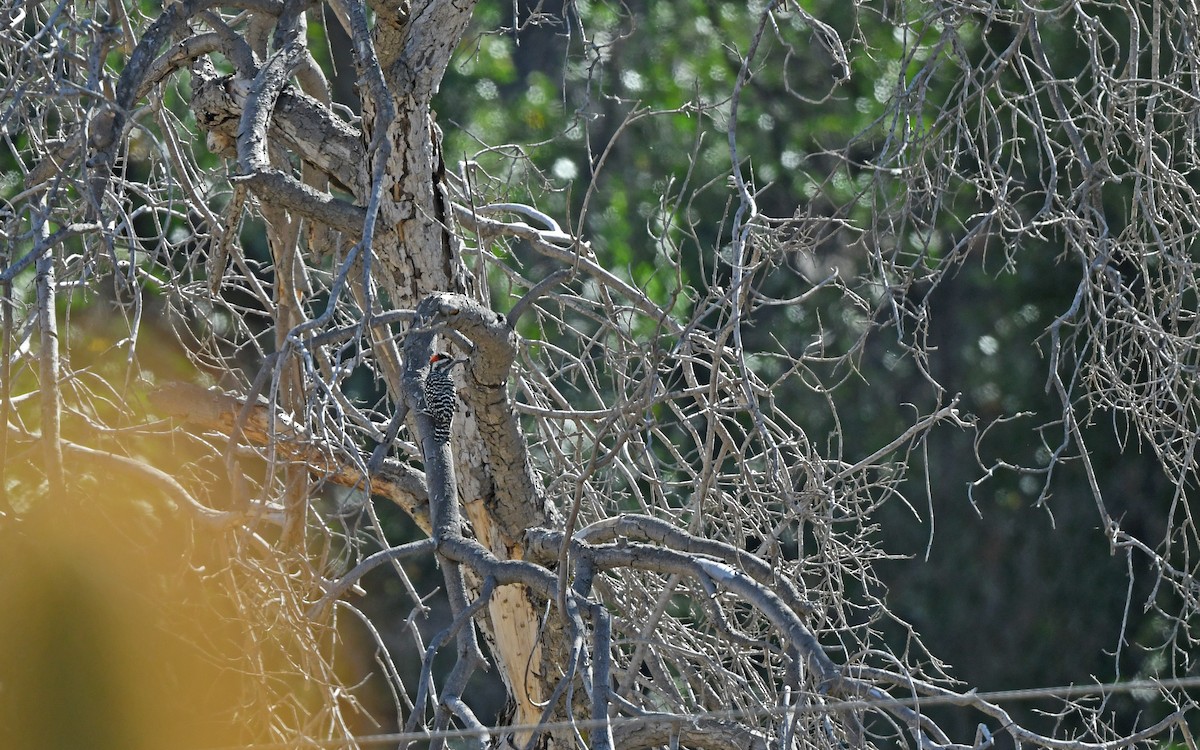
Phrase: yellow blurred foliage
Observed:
(123, 626)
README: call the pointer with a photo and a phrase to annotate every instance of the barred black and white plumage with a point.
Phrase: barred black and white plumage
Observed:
(441, 398)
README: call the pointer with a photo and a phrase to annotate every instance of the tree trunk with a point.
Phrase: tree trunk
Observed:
(419, 252)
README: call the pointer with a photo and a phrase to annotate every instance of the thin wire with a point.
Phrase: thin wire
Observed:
(997, 696)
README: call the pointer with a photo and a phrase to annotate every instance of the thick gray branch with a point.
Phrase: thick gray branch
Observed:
(260, 104)
(544, 545)
(649, 529)
(285, 191)
(301, 123)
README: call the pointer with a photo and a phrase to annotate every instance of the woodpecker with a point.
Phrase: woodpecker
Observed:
(441, 399)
